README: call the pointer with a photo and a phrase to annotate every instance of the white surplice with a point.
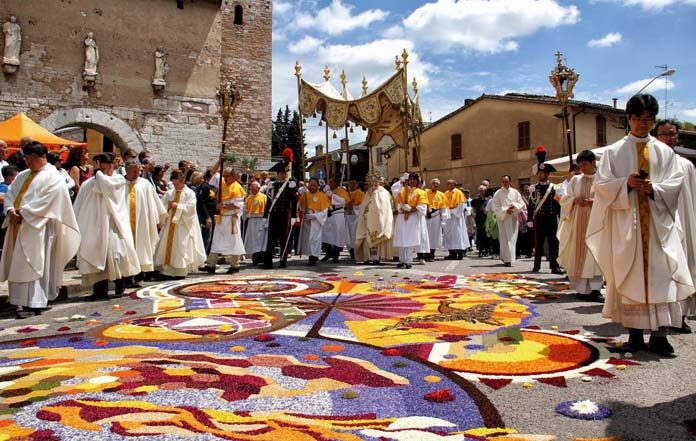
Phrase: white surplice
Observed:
(614, 238)
(312, 232)
(455, 235)
(256, 233)
(148, 213)
(36, 251)
(335, 226)
(411, 235)
(227, 240)
(583, 272)
(687, 218)
(106, 251)
(180, 249)
(508, 223)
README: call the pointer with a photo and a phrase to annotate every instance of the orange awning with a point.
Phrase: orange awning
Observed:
(20, 125)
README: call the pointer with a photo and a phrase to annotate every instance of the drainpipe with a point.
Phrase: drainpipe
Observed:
(574, 136)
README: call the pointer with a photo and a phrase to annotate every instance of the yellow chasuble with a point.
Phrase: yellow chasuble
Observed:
(132, 207)
(644, 211)
(339, 191)
(255, 204)
(316, 201)
(413, 197)
(356, 197)
(436, 199)
(18, 200)
(454, 198)
(172, 228)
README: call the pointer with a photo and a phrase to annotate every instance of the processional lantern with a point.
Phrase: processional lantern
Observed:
(563, 80)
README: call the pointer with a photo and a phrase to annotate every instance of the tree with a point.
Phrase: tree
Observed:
(286, 133)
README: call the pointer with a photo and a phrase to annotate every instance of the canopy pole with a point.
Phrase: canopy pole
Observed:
(298, 74)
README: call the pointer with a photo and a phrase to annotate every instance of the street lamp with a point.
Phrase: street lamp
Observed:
(667, 73)
(563, 80)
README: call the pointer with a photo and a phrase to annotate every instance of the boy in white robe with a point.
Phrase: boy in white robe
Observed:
(436, 217)
(334, 234)
(411, 230)
(145, 210)
(227, 237)
(180, 249)
(507, 204)
(634, 232)
(256, 232)
(42, 233)
(314, 206)
(576, 204)
(455, 237)
(107, 251)
(352, 208)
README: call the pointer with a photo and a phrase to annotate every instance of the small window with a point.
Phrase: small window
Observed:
(415, 161)
(238, 15)
(524, 140)
(601, 131)
(456, 146)
(378, 153)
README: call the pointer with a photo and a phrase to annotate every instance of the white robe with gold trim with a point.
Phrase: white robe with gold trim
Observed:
(508, 223)
(148, 213)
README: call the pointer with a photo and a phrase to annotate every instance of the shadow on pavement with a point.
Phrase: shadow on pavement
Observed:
(674, 421)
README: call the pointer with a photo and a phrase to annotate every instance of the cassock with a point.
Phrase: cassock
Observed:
(180, 249)
(411, 230)
(315, 208)
(145, 210)
(687, 221)
(227, 239)
(106, 251)
(375, 225)
(508, 223)
(356, 199)
(435, 218)
(455, 236)
(635, 239)
(583, 272)
(256, 228)
(36, 251)
(335, 225)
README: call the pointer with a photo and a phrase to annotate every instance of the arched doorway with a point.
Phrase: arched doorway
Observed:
(105, 132)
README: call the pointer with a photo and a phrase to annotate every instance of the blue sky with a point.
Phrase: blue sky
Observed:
(461, 49)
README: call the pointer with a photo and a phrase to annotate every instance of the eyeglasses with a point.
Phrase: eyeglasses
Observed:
(643, 120)
(669, 134)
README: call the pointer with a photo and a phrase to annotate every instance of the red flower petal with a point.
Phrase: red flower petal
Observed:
(440, 396)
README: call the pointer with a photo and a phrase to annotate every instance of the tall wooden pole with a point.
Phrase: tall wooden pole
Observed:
(344, 81)
(298, 74)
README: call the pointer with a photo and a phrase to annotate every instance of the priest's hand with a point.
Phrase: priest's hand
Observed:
(635, 182)
(208, 222)
(15, 217)
(172, 205)
(646, 188)
(510, 209)
(579, 201)
(406, 215)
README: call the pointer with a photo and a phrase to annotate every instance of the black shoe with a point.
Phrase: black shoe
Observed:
(283, 264)
(557, 271)
(661, 347)
(408, 266)
(23, 314)
(313, 261)
(401, 265)
(684, 329)
(233, 270)
(62, 294)
(507, 264)
(326, 257)
(207, 269)
(376, 262)
(267, 266)
(536, 269)
(97, 298)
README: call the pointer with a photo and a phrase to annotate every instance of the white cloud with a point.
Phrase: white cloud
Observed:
(281, 7)
(486, 25)
(395, 31)
(689, 113)
(608, 40)
(338, 18)
(656, 86)
(307, 44)
(652, 5)
(278, 36)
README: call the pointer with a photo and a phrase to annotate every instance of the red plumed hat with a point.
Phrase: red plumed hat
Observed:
(287, 154)
(540, 152)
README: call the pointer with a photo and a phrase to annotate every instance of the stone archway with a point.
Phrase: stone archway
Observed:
(115, 128)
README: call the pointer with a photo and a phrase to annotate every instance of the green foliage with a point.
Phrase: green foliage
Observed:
(286, 133)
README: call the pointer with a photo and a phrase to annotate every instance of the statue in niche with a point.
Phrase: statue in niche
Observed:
(91, 60)
(13, 43)
(161, 69)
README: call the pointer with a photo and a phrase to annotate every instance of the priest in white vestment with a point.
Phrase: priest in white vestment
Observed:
(314, 206)
(145, 211)
(256, 233)
(107, 251)
(436, 217)
(42, 234)
(455, 237)
(634, 232)
(334, 234)
(507, 203)
(352, 208)
(576, 205)
(411, 229)
(375, 224)
(667, 131)
(180, 249)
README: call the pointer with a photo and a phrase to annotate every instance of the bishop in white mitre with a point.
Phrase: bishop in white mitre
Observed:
(507, 203)
(107, 251)
(576, 205)
(42, 233)
(180, 249)
(634, 232)
(145, 210)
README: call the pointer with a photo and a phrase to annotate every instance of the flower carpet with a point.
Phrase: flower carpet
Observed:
(284, 357)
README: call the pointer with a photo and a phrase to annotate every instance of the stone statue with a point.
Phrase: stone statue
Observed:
(91, 56)
(13, 43)
(161, 69)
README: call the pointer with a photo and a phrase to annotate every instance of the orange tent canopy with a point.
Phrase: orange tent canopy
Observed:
(20, 125)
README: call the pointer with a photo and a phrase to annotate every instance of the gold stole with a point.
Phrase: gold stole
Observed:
(644, 212)
(18, 201)
(131, 207)
(172, 228)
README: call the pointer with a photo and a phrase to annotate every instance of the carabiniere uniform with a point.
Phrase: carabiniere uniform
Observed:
(545, 221)
(284, 209)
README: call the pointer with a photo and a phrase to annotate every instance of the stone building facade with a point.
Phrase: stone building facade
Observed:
(204, 41)
(495, 135)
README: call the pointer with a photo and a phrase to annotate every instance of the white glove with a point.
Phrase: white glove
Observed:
(265, 222)
(293, 220)
(405, 207)
(530, 224)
